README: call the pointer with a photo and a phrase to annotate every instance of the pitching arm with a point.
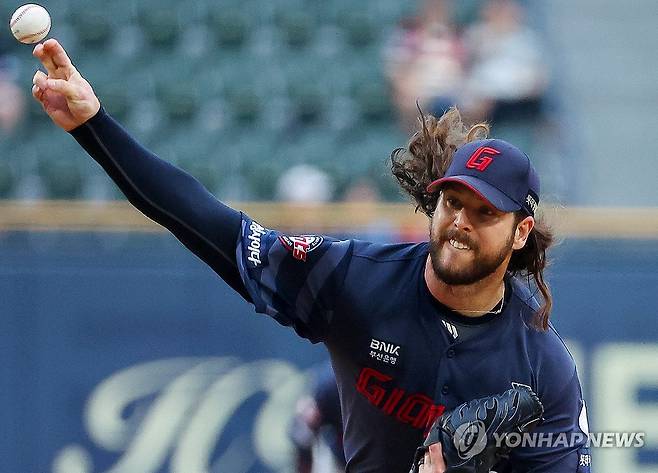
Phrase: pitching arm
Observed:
(161, 191)
(167, 195)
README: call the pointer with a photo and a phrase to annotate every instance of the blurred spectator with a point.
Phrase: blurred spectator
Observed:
(362, 190)
(12, 99)
(318, 420)
(425, 62)
(305, 184)
(493, 70)
(507, 76)
(12, 106)
(482, 57)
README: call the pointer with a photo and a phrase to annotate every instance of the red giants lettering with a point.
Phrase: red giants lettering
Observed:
(300, 249)
(301, 245)
(415, 409)
(481, 158)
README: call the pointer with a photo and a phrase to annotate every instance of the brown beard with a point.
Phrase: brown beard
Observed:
(481, 267)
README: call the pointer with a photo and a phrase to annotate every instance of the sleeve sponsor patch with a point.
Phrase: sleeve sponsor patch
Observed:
(301, 245)
(254, 238)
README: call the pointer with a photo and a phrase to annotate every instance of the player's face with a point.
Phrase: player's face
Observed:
(469, 239)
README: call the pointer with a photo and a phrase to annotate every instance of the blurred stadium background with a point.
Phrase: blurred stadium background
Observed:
(123, 353)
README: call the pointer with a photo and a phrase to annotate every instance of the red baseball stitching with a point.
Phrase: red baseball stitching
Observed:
(37, 33)
(20, 15)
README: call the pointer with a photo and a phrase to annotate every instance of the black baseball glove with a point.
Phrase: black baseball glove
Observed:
(467, 432)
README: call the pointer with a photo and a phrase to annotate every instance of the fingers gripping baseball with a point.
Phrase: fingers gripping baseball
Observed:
(64, 94)
(61, 86)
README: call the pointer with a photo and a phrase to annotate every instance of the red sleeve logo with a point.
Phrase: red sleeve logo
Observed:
(481, 158)
(301, 245)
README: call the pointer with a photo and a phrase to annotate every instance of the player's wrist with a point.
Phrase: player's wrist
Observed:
(98, 116)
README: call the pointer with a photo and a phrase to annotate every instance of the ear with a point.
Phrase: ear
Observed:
(523, 229)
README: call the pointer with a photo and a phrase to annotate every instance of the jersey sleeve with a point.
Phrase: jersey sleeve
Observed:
(166, 194)
(293, 279)
(560, 443)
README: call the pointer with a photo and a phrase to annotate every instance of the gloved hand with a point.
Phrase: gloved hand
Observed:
(467, 432)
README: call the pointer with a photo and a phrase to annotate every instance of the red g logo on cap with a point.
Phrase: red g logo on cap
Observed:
(481, 158)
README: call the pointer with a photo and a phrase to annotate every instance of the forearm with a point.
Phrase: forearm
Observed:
(167, 195)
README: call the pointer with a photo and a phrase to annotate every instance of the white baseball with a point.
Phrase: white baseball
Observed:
(30, 23)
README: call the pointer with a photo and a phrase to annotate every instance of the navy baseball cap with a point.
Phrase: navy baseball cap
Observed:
(498, 172)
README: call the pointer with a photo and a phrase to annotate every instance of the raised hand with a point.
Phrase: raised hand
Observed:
(65, 95)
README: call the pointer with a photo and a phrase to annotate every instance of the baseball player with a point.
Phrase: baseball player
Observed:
(413, 330)
(318, 418)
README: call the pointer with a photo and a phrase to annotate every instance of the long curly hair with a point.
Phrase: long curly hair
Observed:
(429, 153)
(427, 158)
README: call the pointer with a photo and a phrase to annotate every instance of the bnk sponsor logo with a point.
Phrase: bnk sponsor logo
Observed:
(256, 233)
(385, 347)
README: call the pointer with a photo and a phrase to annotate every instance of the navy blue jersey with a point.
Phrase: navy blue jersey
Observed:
(397, 366)
(398, 359)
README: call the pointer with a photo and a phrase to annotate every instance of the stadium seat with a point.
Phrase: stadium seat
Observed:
(61, 177)
(237, 69)
(180, 101)
(189, 147)
(230, 27)
(261, 179)
(115, 97)
(60, 164)
(373, 100)
(364, 152)
(309, 145)
(308, 92)
(358, 29)
(7, 178)
(389, 12)
(207, 171)
(272, 93)
(308, 104)
(36, 118)
(297, 27)
(357, 65)
(244, 106)
(160, 26)
(466, 12)
(93, 28)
